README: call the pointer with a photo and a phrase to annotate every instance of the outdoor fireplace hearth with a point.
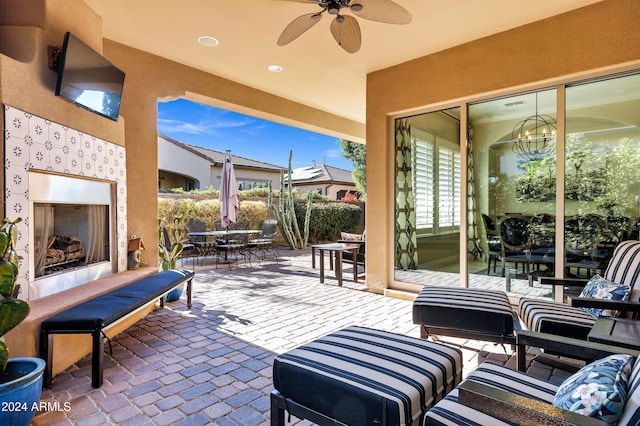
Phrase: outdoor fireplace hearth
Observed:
(70, 190)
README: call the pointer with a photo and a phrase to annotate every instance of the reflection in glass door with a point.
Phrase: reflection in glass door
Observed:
(427, 197)
(602, 182)
(512, 187)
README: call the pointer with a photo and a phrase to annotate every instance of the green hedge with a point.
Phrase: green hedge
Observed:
(208, 211)
(329, 219)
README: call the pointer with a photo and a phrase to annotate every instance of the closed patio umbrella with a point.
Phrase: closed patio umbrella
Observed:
(228, 197)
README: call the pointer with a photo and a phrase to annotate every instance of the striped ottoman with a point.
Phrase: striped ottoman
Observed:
(469, 313)
(361, 376)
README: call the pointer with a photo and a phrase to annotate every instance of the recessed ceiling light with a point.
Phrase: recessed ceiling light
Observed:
(208, 41)
(275, 68)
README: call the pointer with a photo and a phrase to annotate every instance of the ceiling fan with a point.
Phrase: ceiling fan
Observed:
(345, 28)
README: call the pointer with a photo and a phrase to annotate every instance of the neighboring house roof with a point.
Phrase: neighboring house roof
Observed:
(217, 157)
(321, 174)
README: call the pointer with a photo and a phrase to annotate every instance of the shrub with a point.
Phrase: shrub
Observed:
(329, 219)
(207, 211)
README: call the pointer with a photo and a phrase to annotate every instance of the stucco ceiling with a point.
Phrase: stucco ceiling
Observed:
(317, 72)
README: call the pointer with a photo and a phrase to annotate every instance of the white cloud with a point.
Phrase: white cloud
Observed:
(201, 127)
(333, 153)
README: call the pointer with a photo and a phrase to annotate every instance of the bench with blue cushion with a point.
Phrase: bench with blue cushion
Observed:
(95, 315)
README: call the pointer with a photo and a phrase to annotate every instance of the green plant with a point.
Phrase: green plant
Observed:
(327, 220)
(285, 213)
(12, 310)
(169, 255)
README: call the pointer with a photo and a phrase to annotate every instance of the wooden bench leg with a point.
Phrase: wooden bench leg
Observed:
(189, 293)
(97, 358)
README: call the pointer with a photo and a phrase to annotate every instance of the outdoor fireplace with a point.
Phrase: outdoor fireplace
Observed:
(69, 188)
(71, 231)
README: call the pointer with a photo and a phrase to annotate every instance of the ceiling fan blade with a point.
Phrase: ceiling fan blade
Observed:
(382, 11)
(347, 33)
(297, 27)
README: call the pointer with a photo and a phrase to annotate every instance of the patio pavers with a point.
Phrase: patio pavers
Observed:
(212, 364)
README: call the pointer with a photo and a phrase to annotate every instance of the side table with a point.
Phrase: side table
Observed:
(336, 249)
(616, 331)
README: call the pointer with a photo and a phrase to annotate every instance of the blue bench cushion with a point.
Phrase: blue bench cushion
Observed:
(364, 376)
(107, 308)
(475, 310)
(450, 412)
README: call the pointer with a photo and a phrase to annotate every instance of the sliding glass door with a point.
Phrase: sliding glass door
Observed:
(428, 167)
(550, 180)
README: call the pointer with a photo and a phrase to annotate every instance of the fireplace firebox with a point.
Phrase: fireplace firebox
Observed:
(72, 231)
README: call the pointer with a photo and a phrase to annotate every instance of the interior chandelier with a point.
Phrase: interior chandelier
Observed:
(531, 137)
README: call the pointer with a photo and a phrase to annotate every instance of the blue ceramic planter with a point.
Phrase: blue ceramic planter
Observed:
(19, 398)
(174, 295)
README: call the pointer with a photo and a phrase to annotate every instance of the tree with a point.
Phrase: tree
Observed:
(357, 153)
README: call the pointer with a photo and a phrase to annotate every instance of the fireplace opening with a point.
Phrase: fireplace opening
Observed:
(69, 236)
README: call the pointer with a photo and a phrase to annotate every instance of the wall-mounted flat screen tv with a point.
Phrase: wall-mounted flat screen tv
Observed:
(88, 79)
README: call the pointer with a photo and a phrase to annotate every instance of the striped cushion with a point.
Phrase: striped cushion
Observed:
(556, 318)
(624, 267)
(631, 412)
(467, 309)
(364, 376)
(547, 316)
(450, 412)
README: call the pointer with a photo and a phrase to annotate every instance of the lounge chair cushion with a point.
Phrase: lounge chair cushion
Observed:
(450, 412)
(350, 237)
(487, 313)
(363, 376)
(602, 288)
(547, 316)
(597, 390)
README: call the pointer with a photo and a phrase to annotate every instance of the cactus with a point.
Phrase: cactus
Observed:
(286, 215)
(12, 310)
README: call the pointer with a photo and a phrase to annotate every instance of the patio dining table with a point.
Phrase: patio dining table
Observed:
(226, 233)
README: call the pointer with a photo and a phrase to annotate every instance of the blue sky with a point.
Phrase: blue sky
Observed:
(246, 136)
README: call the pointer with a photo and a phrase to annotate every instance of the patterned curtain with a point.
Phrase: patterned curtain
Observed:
(473, 242)
(405, 212)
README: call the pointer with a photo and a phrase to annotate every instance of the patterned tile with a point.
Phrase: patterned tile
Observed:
(33, 143)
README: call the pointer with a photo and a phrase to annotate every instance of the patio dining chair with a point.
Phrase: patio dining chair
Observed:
(266, 241)
(493, 242)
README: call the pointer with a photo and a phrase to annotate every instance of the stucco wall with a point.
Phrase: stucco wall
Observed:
(178, 160)
(590, 41)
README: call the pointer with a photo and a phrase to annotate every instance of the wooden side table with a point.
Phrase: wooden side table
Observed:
(338, 249)
(616, 331)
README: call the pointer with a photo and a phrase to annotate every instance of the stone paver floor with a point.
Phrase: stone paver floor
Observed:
(212, 364)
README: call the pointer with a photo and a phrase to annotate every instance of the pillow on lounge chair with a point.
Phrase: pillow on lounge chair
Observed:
(350, 237)
(597, 390)
(601, 288)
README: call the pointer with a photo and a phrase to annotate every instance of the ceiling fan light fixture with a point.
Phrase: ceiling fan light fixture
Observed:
(356, 7)
(333, 7)
(339, 19)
